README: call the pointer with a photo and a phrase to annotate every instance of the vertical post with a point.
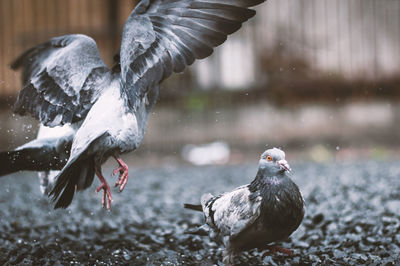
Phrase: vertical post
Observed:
(113, 30)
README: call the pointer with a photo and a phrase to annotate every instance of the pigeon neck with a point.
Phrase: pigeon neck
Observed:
(269, 172)
(263, 178)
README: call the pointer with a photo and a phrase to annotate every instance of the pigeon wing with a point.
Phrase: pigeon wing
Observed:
(161, 37)
(232, 212)
(61, 79)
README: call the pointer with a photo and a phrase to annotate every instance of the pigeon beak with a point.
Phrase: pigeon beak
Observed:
(284, 165)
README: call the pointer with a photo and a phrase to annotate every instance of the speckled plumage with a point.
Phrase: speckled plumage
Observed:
(268, 209)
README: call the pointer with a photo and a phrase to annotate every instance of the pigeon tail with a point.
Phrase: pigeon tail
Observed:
(195, 207)
(203, 230)
(76, 175)
(32, 159)
(205, 198)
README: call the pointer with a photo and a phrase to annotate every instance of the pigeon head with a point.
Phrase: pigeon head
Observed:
(272, 162)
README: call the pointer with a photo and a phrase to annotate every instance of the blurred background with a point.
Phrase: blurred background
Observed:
(319, 78)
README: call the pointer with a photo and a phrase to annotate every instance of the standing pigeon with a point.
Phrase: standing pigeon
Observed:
(268, 209)
(67, 83)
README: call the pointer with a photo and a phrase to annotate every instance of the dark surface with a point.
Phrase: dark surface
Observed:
(352, 217)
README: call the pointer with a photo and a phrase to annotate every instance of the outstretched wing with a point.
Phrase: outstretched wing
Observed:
(61, 79)
(161, 37)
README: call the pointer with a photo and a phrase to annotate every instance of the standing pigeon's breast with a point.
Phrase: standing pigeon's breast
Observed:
(282, 208)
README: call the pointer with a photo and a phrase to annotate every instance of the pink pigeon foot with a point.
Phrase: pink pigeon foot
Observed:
(274, 249)
(107, 198)
(123, 174)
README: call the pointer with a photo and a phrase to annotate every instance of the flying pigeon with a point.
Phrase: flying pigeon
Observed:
(267, 210)
(65, 82)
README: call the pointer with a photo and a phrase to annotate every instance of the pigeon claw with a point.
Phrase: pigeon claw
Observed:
(107, 197)
(118, 170)
(123, 174)
(122, 181)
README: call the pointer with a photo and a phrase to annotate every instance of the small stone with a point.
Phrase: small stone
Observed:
(126, 256)
(397, 239)
(296, 260)
(269, 261)
(332, 227)
(302, 244)
(374, 258)
(365, 248)
(394, 248)
(314, 237)
(348, 219)
(314, 258)
(339, 254)
(393, 206)
(318, 218)
(358, 256)
(116, 252)
(388, 220)
(358, 229)
(353, 237)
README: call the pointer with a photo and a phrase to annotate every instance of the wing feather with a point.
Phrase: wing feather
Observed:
(161, 37)
(233, 211)
(61, 78)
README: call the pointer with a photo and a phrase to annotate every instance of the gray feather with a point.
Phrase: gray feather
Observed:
(161, 37)
(61, 79)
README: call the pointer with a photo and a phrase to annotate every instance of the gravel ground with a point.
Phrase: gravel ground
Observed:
(352, 217)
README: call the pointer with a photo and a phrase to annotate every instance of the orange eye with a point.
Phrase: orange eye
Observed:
(269, 158)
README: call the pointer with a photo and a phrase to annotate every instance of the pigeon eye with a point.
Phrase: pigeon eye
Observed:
(269, 158)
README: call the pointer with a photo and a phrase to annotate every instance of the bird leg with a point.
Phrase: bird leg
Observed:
(107, 198)
(123, 174)
(274, 249)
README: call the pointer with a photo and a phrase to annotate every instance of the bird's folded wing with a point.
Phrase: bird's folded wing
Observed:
(61, 79)
(234, 211)
(161, 37)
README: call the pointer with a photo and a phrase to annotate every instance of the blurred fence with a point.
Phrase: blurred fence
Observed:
(358, 39)
(24, 23)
